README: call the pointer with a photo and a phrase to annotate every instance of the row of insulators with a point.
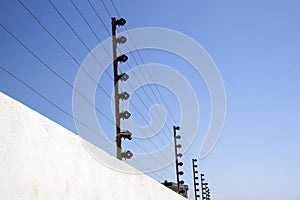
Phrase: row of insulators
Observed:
(205, 189)
(123, 95)
(197, 195)
(179, 155)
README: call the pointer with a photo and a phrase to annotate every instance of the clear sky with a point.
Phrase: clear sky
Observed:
(255, 44)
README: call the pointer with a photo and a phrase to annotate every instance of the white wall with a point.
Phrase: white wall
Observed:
(41, 160)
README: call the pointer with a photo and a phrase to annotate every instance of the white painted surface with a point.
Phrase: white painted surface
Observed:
(39, 159)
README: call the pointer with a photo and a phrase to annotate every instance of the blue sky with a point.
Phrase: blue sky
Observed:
(255, 45)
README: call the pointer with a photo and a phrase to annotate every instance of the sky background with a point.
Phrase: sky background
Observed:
(255, 44)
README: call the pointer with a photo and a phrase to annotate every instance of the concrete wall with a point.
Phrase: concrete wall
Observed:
(41, 160)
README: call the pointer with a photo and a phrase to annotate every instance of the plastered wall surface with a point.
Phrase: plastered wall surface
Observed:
(39, 159)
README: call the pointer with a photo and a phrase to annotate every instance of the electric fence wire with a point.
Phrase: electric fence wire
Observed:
(76, 61)
(47, 66)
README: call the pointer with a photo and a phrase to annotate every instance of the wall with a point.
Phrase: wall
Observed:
(41, 160)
